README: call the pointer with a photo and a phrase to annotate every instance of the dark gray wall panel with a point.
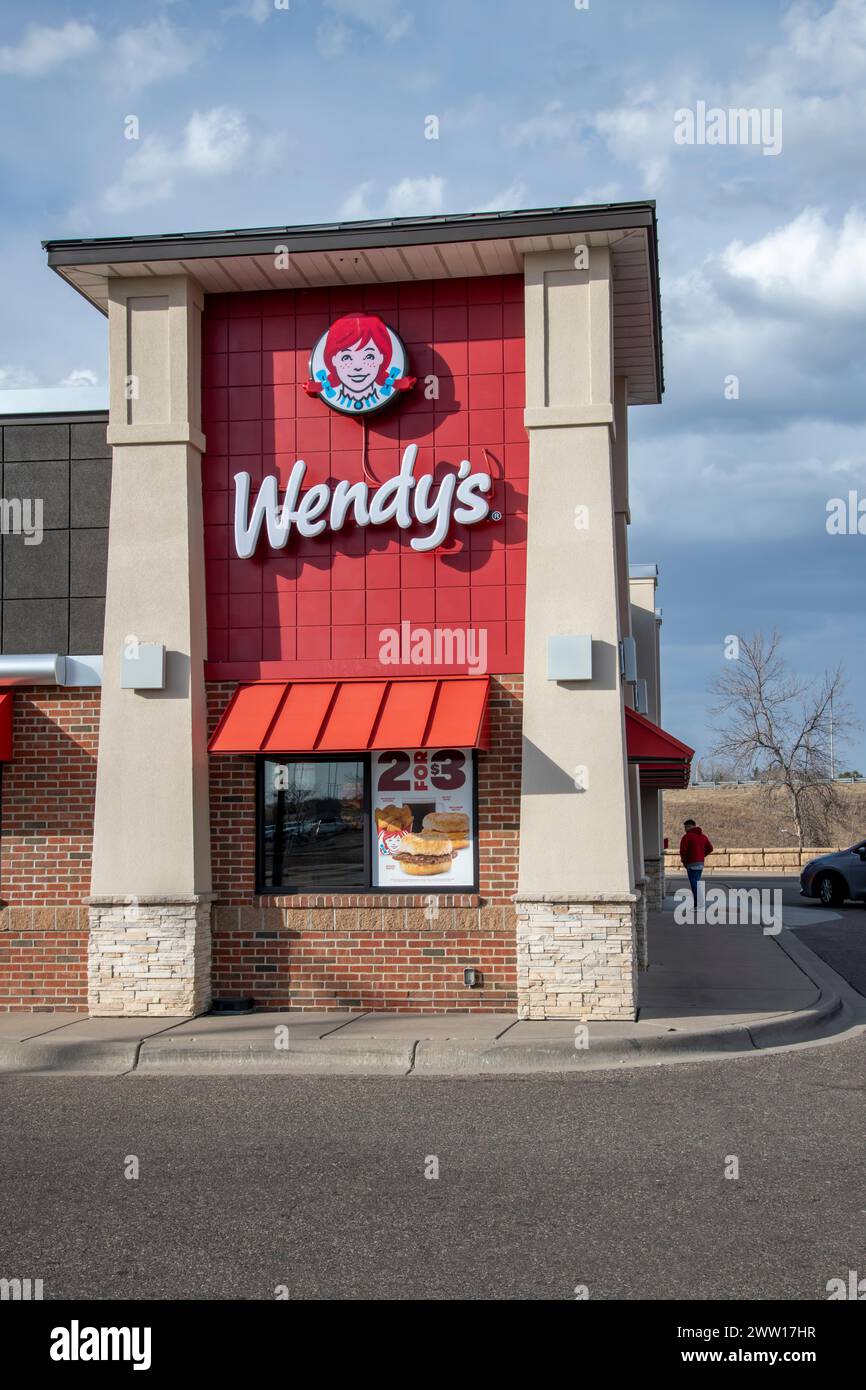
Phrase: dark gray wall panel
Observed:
(52, 595)
(90, 492)
(50, 481)
(36, 625)
(36, 571)
(29, 442)
(86, 624)
(88, 441)
(88, 560)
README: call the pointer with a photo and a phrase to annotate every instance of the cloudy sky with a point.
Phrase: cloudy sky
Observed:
(251, 114)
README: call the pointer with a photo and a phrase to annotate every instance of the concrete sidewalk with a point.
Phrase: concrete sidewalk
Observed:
(709, 992)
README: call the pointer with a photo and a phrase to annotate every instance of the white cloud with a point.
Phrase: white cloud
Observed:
(640, 132)
(148, 177)
(415, 197)
(355, 207)
(602, 193)
(469, 117)
(506, 200)
(807, 263)
(408, 198)
(816, 76)
(829, 45)
(257, 10)
(554, 123)
(333, 39)
(43, 49)
(81, 376)
(420, 81)
(384, 19)
(150, 54)
(15, 378)
(782, 315)
(214, 142)
(760, 486)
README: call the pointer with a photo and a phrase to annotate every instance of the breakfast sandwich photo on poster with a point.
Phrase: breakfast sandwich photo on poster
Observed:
(423, 819)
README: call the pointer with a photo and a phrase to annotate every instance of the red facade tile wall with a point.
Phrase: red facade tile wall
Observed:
(318, 606)
(46, 835)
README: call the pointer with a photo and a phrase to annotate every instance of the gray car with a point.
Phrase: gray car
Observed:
(835, 877)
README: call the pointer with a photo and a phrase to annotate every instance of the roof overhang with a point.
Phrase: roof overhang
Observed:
(408, 248)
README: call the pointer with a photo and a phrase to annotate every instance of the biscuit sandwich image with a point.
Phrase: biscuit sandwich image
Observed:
(453, 824)
(424, 854)
(395, 819)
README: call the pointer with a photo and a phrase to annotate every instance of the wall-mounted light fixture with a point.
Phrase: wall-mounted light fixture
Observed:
(569, 657)
(142, 666)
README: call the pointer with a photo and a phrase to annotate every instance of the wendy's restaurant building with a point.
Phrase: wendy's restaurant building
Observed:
(349, 698)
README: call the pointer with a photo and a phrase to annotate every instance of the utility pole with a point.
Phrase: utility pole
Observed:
(832, 753)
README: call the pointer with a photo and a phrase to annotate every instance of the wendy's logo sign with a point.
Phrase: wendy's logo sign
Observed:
(358, 366)
(404, 500)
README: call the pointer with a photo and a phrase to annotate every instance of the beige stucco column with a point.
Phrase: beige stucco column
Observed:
(621, 522)
(576, 898)
(621, 508)
(645, 628)
(150, 905)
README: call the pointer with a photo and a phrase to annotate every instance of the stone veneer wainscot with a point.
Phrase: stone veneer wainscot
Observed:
(149, 957)
(576, 956)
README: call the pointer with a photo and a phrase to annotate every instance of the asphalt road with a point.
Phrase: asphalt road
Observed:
(613, 1180)
(610, 1180)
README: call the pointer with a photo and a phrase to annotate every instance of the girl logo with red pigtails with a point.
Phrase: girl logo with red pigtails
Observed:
(358, 366)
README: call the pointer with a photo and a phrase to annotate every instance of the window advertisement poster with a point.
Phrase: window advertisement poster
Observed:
(423, 819)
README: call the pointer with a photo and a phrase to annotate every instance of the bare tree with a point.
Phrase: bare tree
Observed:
(779, 727)
(709, 770)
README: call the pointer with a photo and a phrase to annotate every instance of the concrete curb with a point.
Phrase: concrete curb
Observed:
(424, 1057)
(39, 1055)
(441, 1059)
(169, 1058)
(801, 1026)
(839, 1006)
(838, 1009)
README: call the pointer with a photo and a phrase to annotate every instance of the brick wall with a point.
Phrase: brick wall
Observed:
(499, 792)
(369, 951)
(386, 958)
(48, 797)
(232, 812)
(43, 959)
(46, 832)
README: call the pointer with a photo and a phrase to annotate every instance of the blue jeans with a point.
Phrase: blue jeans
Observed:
(694, 872)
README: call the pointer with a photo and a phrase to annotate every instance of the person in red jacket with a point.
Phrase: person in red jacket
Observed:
(694, 848)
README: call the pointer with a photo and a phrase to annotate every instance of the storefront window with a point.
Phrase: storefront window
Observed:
(312, 823)
(401, 820)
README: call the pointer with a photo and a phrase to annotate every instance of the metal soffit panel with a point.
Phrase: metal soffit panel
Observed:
(237, 262)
